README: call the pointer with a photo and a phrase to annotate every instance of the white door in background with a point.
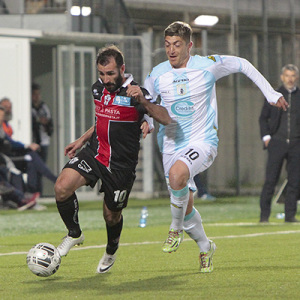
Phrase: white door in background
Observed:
(15, 83)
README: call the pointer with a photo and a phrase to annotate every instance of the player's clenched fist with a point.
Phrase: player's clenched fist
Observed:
(134, 91)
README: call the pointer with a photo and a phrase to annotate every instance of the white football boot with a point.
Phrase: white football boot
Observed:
(106, 262)
(69, 242)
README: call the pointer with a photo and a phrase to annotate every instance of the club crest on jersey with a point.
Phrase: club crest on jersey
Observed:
(181, 89)
(84, 166)
(122, 100)
(107, 99)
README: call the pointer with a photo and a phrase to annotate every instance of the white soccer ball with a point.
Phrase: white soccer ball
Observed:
(43, 259)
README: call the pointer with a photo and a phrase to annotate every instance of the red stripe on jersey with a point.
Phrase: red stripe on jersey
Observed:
(107, 112)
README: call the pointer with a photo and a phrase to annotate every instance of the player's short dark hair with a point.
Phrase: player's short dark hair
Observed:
(180, 29)
(108, 52)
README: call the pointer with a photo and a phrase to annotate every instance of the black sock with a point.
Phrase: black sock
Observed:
(113, 237)
(68, 211)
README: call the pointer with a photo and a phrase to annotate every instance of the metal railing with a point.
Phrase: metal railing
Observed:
(112, 15)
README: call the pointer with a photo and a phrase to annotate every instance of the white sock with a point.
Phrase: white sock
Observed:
(193, 227)
(179, 202)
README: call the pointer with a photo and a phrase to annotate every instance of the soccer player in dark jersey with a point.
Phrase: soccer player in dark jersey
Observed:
(111, 152)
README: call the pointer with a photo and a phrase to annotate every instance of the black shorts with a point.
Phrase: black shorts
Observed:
(115, 184)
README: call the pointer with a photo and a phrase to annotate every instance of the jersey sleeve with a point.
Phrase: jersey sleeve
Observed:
(147, 95)
(226, 65)
(149, 85)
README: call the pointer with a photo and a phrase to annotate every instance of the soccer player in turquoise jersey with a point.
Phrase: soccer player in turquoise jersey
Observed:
(186, 85)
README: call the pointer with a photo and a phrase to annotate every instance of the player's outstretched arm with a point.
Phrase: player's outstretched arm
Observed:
(158, 112)
(71, 149)
(233, 64)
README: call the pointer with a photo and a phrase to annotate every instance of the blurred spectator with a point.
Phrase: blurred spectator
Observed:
(18, 147)
(7, 105)
(11, 180)
(25, 157)
(202, 192)
(280, 133)
(3, 8)
(42, 123)
(13, 197)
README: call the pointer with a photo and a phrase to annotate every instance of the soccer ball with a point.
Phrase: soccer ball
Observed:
(43, 259)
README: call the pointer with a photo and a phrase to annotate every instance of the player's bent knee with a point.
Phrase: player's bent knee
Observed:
(177, 181)
(111, 219)
(62, 191)
(178, 178)
(67, 183)
(178, 175)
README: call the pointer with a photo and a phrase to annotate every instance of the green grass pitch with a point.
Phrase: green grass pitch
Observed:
(252, 261)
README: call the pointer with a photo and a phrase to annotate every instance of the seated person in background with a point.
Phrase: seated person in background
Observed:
(31, 162)
(17, 197)
(7, 105)
(11, 179)
(20, 148)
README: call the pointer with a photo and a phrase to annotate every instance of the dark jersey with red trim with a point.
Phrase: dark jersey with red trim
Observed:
(116, 139)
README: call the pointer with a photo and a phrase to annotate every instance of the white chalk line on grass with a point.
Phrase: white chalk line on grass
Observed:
(159, 242)
(244, 224)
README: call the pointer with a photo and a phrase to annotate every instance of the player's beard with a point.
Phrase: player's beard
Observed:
(112, 87)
